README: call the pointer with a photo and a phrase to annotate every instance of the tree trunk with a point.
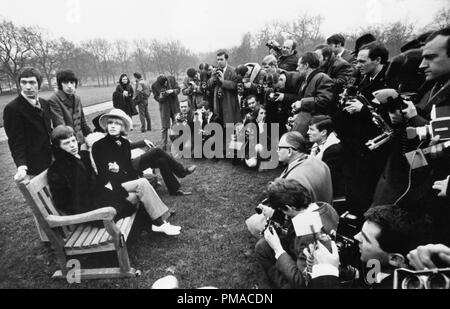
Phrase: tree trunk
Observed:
(49, 81)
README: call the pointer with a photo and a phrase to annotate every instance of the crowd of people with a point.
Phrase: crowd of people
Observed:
(364, 135)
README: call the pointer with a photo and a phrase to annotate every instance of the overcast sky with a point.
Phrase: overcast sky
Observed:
(205, 25)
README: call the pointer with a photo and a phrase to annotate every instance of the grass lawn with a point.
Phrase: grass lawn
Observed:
(214, 248)
(89, 96)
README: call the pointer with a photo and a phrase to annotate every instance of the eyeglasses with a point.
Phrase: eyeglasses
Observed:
(286, 147)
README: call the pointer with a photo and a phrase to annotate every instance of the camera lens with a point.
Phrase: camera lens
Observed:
(412, 283)
(438, 281)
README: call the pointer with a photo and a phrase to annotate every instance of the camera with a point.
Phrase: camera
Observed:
(427, 279)
(273, 96)
(217, 70)
(346, 244)
(272, 44)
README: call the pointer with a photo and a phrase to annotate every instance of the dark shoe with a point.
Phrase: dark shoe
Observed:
(143, 130)
(149, 129)
(180, 192)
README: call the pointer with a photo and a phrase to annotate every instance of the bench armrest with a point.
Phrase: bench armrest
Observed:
(105, 213)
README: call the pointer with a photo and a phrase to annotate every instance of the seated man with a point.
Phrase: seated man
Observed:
(310, 172)
(153, 158)
(386, 237)
(75, 188)
(281, 256)
(208, 117)
(328, 148)
(185, 118)
(248, 135)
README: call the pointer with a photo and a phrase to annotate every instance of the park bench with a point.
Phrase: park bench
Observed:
(70, 235)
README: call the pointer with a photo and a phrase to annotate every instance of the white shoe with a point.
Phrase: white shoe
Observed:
(167, 228)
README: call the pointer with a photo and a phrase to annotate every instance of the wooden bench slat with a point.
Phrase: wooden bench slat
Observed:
(98, 237)
(88, 241)
(84, 234)
(74, 237)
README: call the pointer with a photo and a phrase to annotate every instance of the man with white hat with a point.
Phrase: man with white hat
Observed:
(112, 157)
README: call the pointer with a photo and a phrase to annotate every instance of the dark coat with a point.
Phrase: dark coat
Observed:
(124, 103)
(69, 112)
(288, 63)
(169, 106)
(28, 130)
(194, 94)
(340, 72)
(362, 166)
(333, 156)
(317, 97)
(72, 182)
(227, 107)
(403, 73)
(108, 150)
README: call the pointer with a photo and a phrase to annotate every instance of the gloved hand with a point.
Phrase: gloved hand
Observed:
(410, 111)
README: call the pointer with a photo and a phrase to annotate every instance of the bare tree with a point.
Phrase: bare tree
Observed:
(15, 51)
(45, 51)
(122, 56)
(142, 55)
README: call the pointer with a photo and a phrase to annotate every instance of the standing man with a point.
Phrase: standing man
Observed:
(337, 42)
(336, 68)
(141, 99)
(224, 80)
(316, 94)
(65, 105)
(289, 58)
(166, 91)
(192, 88)
(28, 126)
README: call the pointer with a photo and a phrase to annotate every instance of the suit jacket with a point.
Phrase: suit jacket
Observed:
(227, 107)
(314, 175)
(317, 95)
(28, 130)
(66, 112)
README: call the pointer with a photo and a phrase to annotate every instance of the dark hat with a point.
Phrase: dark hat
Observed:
(65, 76)
(363, 40)
(191, 72)
(137, 75)
(417, 42)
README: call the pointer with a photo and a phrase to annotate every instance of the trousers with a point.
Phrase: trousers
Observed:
(168, 166)
(141, 190)
(144, 115)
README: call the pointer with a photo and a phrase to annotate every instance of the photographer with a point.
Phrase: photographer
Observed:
(289, 58)
(386, 237)
(355, 127)
(337, 42)
(336, 68)
(280, 96)
(192, 88)
(274, 48)
(165, 91)
(280, 252)
(315, 94)
(224, 80)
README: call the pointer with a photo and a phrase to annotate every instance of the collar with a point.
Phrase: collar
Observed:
(33, 102)
(331, 140)
(341, 53)
(297, 161)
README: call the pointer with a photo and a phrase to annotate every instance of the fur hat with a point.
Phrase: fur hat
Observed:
(137, 75)
(64, 76)
(116, 113)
